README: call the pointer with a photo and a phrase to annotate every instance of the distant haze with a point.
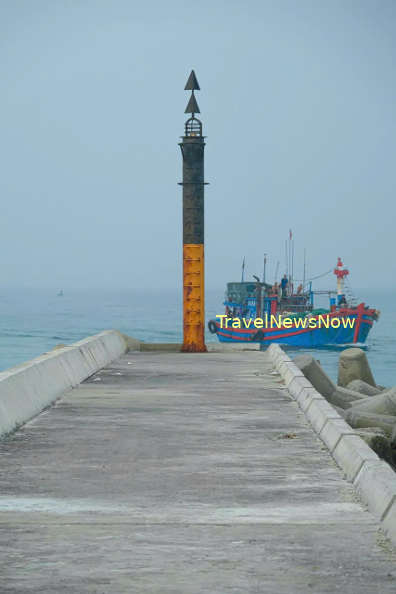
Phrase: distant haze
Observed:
(298, 104)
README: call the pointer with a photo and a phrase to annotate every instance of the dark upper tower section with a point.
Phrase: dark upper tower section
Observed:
(192, 148)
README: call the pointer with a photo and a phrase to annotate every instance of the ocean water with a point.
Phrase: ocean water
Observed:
(34, 321)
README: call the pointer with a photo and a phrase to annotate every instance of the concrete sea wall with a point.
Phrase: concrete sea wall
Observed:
(27, 389)
(373, 479)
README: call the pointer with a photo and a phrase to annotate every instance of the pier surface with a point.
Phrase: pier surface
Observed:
(176, 473)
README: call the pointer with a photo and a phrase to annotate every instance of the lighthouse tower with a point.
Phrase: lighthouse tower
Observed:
(192, 148)
(340, 273)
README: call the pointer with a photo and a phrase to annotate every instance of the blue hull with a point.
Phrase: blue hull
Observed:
(308, 337)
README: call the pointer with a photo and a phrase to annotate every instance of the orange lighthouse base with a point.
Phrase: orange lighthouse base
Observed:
(193, 299)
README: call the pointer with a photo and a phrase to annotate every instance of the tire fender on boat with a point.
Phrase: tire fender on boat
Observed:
(212, 327)
(259, 335)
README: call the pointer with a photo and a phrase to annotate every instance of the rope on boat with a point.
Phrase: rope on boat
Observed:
(350, 294)
(307, 280)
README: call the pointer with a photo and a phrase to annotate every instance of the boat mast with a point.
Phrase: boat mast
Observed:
(265, 265)
(243, 269)
(276, 271)
(292, 266)
(286, 259)
(290, 277)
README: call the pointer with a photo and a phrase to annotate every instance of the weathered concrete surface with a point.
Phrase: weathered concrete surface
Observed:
(177, 473)
(314, 373)
(353, 364)
(358, 385)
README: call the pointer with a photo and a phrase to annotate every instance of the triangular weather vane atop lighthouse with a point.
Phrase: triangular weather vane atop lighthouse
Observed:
(193, 126)
(192, 148)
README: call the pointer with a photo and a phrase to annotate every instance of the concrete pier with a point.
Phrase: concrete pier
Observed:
(182, 473)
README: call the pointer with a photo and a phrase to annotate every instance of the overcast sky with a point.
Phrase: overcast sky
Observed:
(298, 104)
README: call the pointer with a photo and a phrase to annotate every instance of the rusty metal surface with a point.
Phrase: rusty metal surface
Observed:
(193, 299)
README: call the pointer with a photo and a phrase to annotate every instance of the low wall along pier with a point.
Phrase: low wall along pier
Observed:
(373, 479)
(27, 389)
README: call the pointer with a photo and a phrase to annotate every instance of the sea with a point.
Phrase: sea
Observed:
(34, 321)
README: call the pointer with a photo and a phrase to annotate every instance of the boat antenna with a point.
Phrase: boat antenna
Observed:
(290, 259)
(265, 265)
(276, 271)
(305, 258)
(293, 261)
(243, 269)
(286, 259)
(292, 265)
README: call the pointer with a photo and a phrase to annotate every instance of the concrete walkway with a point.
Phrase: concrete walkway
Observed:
(174, 473)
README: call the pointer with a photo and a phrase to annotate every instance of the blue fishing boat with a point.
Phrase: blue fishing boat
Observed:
(264, 313)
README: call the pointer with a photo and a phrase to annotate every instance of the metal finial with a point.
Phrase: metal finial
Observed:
(192, 83)
(192, 106)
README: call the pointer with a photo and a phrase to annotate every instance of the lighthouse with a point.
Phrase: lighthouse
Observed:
(340, 273)
(192, 149)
